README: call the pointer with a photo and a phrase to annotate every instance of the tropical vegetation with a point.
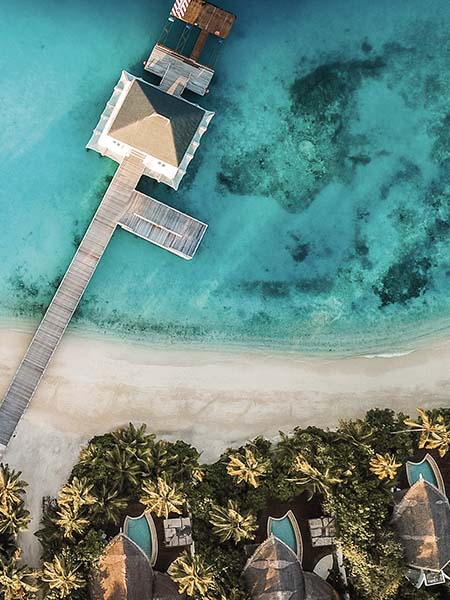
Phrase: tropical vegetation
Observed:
(162, 498)
(229, 524)
(351, 472)
(17, 581)
(195, 577)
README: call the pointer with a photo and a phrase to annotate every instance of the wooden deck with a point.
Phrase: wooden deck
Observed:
(162, 225)
(208, 17)
(66, 299)
(170, 65)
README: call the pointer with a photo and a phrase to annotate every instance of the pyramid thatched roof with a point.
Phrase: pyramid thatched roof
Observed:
(124, 573)
(156, 122)
(274, 572)
(422, 520)
(318, 589)
(165, 588)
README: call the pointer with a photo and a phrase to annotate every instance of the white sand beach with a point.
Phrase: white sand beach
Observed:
(211, 399)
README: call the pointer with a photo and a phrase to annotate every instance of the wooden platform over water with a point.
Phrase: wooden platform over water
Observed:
(68, 295)
(121, 205)
(170, 65)
(162, 225)
(207, 17)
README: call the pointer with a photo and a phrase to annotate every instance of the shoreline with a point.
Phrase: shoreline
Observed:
(212, 399)
(382, 347)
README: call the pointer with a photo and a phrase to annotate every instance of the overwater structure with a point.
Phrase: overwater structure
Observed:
(150, 131)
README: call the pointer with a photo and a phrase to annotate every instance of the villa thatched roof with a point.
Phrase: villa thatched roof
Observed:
(318, 589)
(156, 123)
(165, 588)
(274, 572)
(422, 519)
(124, 573)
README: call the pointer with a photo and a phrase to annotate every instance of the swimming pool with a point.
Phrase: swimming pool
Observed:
(286, 530)
(140, 531)
(427, 469)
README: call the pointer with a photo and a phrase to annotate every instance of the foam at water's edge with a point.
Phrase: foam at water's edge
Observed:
(388, 355)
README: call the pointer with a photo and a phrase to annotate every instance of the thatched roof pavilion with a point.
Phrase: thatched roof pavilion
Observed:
(422, 520)
(275, 573)
(318, 589)
(165, 589)
(165, 128)
(124, 573)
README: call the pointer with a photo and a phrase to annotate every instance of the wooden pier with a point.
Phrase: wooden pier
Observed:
(154, 132)
(133, 211)
(68, 295)
(202, 19)
(162, 225)
(170, 65)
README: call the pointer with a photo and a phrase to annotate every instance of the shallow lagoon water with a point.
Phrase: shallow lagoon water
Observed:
(324, 176)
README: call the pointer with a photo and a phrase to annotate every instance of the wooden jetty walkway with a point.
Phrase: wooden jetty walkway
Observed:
(163, 225)
(66, 299)
(121, 206)
(149, 131)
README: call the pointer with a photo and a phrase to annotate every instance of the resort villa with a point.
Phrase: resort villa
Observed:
(150, 131)
(275, 571)
(134, 563)
(422, 520)
(161, 125)
(124, 573)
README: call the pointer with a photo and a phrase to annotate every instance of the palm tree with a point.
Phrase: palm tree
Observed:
(229, 524)
(285, 451)
(109, 505)
(14, 519)
(434, 433)
(162, 498)
(193, 576)
(358, 432)
(384, 466)
(311, 479)
(132, 436)
(17, 582)
(198, 474)
(12, 487)
(177, 459)
(134, 441)
(247, 467)
(163, 460)
(71, 522)
(76, 494)
(50, 535)
(62, 577)
(91, 455)
(123, 467)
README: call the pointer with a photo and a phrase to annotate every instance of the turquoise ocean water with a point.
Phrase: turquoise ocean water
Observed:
(324, 176)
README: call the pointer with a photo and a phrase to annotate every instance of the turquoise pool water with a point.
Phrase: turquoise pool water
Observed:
(283, 530)
(139, 532)
(324, 177)
(424, 470)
